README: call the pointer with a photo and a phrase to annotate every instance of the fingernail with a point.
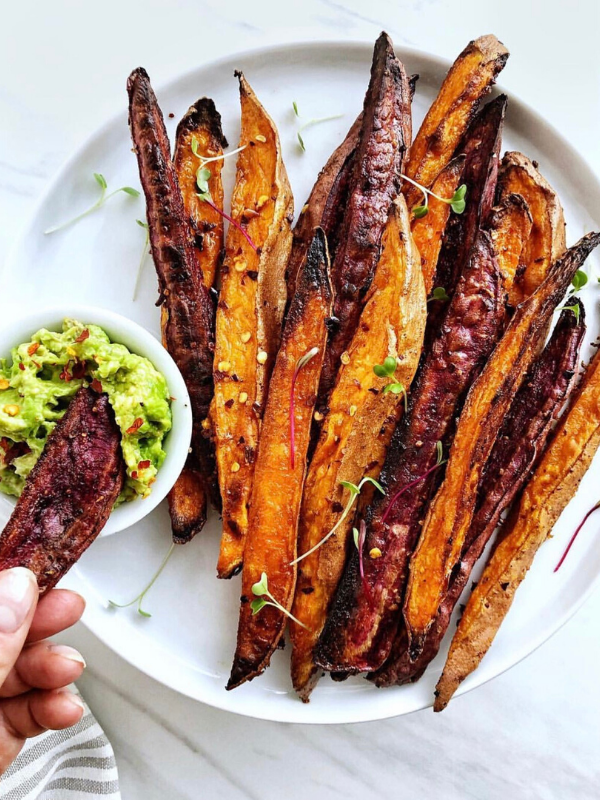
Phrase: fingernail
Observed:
(64, 651)
(18, 589)
(73, 698)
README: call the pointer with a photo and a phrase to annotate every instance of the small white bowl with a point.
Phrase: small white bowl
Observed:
(140, 341)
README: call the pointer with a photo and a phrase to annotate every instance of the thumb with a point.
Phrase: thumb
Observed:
(18, 601)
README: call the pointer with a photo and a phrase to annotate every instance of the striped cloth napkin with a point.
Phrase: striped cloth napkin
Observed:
(75, 764)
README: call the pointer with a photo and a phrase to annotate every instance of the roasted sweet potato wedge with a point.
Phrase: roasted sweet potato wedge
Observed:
(364, 618)
(356, 432)
(325, 206)
(69, 494)
(510, 226)
(470, 78)
(451, 512)
(187, 307)
(187, 502)
(383, 144)
(546, 242)
(552, 485)
(200, 130)
(429, 230)
(520, 444)
(281, 468)
(249, 314)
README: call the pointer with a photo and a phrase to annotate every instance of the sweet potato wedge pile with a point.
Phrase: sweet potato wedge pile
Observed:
(356, 432)
(552, 485)
(249, 314)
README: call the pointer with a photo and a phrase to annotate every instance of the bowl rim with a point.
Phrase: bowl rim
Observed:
(140, 341)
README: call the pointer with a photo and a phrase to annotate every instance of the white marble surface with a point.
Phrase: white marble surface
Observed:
(533, 732)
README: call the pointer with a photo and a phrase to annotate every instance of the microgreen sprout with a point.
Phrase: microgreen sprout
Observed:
(302, 362)
(360, 536)
(579, 280)
(140, 269)
(387, 370)
(139, 599)
(439, 294)
(203, 175)
(572, 539)
(209, 159)
(438, 463)
(354, 492)
(457, 202)
(260, 590)
(309, 123)
(576, 309)
(101, 181)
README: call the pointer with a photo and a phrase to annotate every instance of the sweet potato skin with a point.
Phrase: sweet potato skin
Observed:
(202, 122)
(356, 432)
(383, 144)
(364, 618)
(519, 446)
(451, 511)
(187, 308)
(510, 227)
(552, 485)
(325, 205)
(69, 494)
(271, 543)
(546, 242)
(428, 231)
(249, 314)
(470, 78)
(187, 502)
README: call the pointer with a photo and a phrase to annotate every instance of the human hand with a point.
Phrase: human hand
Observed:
(34, 671)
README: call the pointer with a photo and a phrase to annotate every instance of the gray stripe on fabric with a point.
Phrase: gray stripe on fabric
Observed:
(84, 785)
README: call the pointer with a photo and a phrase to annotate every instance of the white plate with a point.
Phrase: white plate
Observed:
(189, 642)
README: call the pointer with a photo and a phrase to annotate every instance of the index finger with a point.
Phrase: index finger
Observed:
(57, 610)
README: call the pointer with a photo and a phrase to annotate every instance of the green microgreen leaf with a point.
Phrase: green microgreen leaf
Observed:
(440, 452)
(140, 597)
(355, 535)
(386, 369)
(457, 202)
(375, 483)
(440, 294)
(576, 309)
(194, 146)
(295, 107)
(257, 604)
(301, 142)
(142, 224)
(352, 487)
(203, 176)
(420, 211)
(397, 388)
(101, 181)
(262, 586)
(579, 280)
(261, 590)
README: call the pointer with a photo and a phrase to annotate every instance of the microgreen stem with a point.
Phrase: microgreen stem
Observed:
(143, 257)
(222, 157)
(457, 201)
(231, 221)
(407, 487)
(360, 544)
(572, 539)
(140, 597)
(302, 362)
(98, 204)
(260, 590)
(354, 492)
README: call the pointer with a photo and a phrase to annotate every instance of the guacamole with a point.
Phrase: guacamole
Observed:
(45, 373)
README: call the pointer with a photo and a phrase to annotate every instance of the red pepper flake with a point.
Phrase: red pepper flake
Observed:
(137, 424)
(134, 475)
(79, 368)
(96, 386)
(39, 366)
(33, 348)
(21, 366)
(65, 375)
(144, 465)
(5, 444)
(85, 334)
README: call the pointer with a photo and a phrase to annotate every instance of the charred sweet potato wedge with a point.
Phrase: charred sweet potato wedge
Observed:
(356, 432)
(383, 144)
(510, 227)
(519, 446)
(546, 242)
(187, 307)
(364, 617)
(249, 314)
(69, 494)
(187, 502)
(271, 543)
(451, 512)
(470, 78)
(200, 130)
(325, 205)
(428, 231)
(552, 485)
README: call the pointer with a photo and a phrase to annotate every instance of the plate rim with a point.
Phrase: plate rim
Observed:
(359, 46)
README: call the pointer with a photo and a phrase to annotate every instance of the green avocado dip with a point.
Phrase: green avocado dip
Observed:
(47, 371)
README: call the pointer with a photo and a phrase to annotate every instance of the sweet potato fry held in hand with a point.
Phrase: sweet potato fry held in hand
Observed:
(69, 494)
(280, 470)
(450, 515)
(552, 485)
(188, 309)
(249, 313)
(356, 432)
